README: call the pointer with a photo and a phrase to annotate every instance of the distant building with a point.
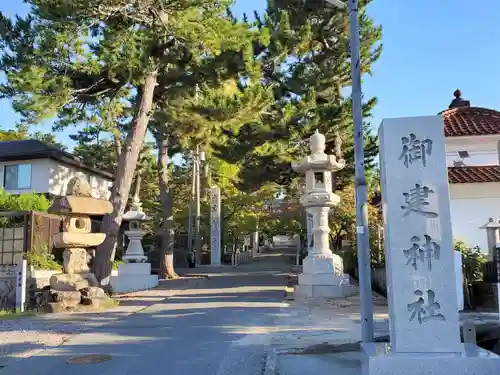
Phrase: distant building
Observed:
(472, 155)
(31, 165)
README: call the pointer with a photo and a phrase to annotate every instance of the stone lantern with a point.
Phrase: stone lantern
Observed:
(323, 272)
(135, 273)
(493, 235)
(135, 217)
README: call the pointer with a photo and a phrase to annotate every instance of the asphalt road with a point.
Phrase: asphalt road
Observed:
(221, 328)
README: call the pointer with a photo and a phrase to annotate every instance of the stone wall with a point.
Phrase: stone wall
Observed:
(379, 279)
(36, 280)
(7, 287)
(484, 296)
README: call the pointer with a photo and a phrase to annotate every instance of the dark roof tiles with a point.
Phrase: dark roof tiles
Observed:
(33, 149)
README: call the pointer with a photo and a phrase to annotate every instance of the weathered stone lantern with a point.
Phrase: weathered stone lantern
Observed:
(323, 272)
(76, 289)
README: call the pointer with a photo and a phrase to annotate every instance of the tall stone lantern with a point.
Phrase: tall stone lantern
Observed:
(135, 273)
(323, 272)
(135, 217)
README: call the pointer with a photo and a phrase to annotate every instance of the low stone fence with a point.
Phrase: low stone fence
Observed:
(489, 272)
(241, 257)
(379, 280)
(484, 295)
(8, 287)
(35, 280)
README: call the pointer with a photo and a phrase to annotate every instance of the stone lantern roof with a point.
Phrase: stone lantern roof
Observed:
(135, 213)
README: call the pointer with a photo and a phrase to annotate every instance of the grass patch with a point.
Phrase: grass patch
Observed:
(15, 314)
(111, 303)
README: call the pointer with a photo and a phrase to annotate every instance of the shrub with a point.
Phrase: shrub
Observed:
(23, 202)
(42, 259)
(472, 259)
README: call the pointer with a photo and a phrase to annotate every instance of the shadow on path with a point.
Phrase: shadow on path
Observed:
(221, 326)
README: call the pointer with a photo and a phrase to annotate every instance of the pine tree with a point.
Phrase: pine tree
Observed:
(307, 62)
(23, 134)
(196, 119)
(100, 61)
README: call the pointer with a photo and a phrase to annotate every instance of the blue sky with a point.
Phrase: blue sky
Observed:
(431, 48)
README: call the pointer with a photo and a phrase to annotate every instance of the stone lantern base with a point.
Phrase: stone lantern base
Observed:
(132, 277)
(323, 277)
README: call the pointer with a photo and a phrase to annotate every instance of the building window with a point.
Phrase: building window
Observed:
(17, 176)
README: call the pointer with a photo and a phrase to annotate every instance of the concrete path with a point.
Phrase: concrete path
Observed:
(26, 336)
(223, 326)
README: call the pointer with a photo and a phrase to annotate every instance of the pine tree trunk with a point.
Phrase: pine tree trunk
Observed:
(125, 170)
(167, 270)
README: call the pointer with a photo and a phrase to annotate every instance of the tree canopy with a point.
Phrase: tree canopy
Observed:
(147, 82)
(307, 63)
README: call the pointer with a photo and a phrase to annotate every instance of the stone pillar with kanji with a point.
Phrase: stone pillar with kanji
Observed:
(323, 272)
(420, 261)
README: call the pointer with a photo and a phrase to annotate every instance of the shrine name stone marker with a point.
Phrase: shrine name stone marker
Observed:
(215, 235)
(423, 309)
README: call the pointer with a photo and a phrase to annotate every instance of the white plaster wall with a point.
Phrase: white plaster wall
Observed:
(50, 176)
(40, 172)
(475, 158)
(61, 174)
(483, 150)
(471, 205)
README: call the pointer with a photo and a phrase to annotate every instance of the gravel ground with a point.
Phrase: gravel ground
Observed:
(22, 338)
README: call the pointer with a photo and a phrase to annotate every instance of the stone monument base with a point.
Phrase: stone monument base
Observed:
(325, 291)
(323, 277)
(132, 277)
(473, 360)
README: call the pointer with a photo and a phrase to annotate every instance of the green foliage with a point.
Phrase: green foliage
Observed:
(248, 93)
(42, 259)
(306, 63)
(116, 264)
(472, 259)
(15, 314)
(22, 134)
(23, 202)
(85, 62)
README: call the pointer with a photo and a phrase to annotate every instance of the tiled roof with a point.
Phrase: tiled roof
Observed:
(32, 149)
(467, 175)
(17, 149)
(470, 121)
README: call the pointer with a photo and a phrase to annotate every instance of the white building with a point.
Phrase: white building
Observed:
(472, 140)
(31, 165)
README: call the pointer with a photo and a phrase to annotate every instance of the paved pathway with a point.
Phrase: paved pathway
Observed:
(220, 327)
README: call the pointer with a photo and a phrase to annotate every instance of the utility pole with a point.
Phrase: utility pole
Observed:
(191, 201)
(362, 239)
(197, 245)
